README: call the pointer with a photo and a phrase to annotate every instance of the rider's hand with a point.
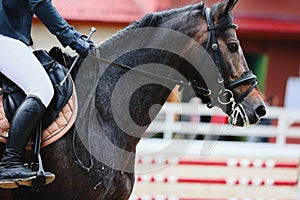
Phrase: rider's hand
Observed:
(81, 45)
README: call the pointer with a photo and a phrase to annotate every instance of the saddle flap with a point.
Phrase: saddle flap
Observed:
(44, 58)
(62, 110)
(62, 93)
(12, 96)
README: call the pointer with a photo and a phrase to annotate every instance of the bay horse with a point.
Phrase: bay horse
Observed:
(127, 79)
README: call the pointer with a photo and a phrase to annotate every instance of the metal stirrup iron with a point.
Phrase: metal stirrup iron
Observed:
(41, 176)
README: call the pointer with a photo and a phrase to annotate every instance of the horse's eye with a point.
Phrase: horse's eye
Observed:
(233, 47)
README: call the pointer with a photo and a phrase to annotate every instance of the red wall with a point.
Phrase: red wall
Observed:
(284, 61)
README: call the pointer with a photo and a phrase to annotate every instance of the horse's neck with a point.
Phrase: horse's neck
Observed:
(128, 101)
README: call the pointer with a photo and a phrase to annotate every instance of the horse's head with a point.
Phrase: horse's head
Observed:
(241, 98)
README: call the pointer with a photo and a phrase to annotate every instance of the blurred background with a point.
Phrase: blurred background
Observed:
(269, 32)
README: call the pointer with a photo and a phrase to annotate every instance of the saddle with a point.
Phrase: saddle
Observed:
(61, 112)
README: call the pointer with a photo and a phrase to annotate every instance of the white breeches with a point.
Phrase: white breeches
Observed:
(18, 63)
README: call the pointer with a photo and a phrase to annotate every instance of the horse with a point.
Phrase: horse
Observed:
(124, 83)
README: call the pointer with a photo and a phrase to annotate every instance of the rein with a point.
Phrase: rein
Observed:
(248, 78)
(198, 90)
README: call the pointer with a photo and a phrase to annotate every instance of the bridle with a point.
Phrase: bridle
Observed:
(248, 78)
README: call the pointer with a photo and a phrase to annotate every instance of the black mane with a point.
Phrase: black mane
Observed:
(154, 19)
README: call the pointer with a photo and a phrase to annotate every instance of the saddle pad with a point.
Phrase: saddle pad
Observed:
(55, 131)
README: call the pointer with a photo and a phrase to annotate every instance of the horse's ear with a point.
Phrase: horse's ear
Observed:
(223, 8)
(230, 5)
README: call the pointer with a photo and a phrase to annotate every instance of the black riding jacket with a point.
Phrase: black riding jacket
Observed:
(16, 20)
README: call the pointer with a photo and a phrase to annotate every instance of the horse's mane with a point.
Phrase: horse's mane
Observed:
(153, 20)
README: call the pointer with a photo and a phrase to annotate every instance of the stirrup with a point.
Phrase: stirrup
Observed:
(42, 177)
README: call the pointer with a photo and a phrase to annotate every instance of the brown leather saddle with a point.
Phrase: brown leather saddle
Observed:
(61, 113)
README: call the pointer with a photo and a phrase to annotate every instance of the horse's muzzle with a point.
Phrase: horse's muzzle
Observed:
(260, 111)
(241, 116)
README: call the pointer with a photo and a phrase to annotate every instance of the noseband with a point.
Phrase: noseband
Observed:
(248, 78)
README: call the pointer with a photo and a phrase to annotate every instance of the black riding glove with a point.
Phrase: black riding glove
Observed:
(81, 45)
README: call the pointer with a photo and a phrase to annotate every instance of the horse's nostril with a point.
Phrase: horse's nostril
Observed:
(261, 111)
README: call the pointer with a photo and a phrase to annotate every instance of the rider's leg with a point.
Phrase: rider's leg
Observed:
(18, 63)
(23, 124)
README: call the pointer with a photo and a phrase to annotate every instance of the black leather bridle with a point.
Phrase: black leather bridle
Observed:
(248, 78)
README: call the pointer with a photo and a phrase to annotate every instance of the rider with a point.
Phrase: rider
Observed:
(18, 63)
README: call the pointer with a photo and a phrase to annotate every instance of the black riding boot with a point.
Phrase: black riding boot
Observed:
(24, 123)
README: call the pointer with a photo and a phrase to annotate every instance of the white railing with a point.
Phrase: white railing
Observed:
(167, 123)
